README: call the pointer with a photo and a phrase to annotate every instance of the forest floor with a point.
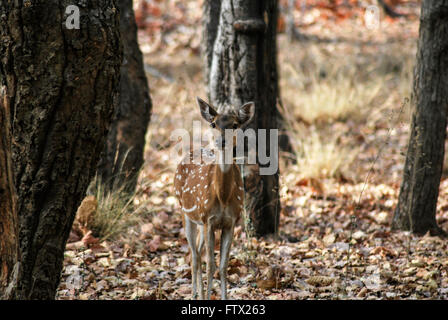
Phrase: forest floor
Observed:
(345, 92)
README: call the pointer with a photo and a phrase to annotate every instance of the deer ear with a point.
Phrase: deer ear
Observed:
(246, 113)
(207, 111)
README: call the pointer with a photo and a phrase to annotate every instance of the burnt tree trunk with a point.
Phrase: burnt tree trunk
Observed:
(9, 243)
(62, 85)
(243, 68)
(416, 209)
(122, 156)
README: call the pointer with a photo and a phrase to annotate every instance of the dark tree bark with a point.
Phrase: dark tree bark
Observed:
(416, 209)
(122, 157)
(9, 244)
(244, 68)
(62, 87)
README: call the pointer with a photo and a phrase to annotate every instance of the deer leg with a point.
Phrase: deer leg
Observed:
(226, 243)
(200, 247)
(210, 246)
(190, 232)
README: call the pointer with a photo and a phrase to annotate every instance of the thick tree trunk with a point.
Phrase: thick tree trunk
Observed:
(244, 68)
(62, 88)
(9, 243)
(416, 209)
(122, 157)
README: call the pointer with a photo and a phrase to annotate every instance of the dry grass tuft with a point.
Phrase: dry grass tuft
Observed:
(341, 84)
(319, 157)
(115, 212)
(338, 98)
(328, 88)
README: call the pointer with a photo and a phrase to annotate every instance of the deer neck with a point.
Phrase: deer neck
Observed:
(224, 179)
(222, 165)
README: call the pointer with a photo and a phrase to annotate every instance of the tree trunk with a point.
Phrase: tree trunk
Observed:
(291, 30)
(210, 23)
(416, 209)
(9, 244)
(62, 88)
(243, 68)
(122, 157)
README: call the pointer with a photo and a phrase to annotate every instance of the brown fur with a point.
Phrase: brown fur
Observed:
(205, 185)
(211, 196)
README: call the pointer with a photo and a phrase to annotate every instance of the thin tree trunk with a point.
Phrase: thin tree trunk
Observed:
(122, 157)
(416, 209)
(291, 30)
(62, 88)
(9, 243)
(244, 68)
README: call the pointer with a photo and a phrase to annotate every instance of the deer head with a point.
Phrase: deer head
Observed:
(229, 119)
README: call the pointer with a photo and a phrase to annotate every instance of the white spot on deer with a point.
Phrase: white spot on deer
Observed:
(189, 210)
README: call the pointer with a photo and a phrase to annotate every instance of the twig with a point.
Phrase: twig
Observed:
(357, 206)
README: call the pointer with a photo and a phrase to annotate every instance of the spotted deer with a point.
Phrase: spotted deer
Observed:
(211, 196)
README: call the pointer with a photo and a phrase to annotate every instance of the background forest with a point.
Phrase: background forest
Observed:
(345, 89)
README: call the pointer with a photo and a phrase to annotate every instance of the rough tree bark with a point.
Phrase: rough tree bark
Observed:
(62, 87)
(243, 68)
(416, 209)
(122, 157)
(9, 244)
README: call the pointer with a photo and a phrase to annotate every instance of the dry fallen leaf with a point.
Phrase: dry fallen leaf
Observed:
(266, 284)
(329, 239)
(320, 281)
(89, 239)
(383, 251)
(146, 231)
